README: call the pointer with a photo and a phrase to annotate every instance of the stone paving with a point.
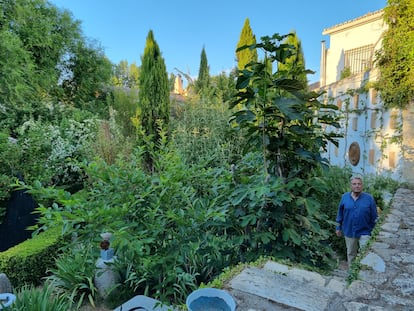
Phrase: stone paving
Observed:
(385, 281)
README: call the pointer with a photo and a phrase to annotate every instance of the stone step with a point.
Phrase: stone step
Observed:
(336, 283)
(296, 292)
(340, 273)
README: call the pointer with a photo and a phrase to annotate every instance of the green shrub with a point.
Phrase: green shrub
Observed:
(74, 274)
(202, 134)
(345, 73)
(159, 222)
(377, 186)
(336, 184)
(27, 263)
(51, 152)
(5, 191)
(31, 298)
(9, 158)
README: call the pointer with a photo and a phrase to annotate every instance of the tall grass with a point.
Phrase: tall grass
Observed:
(30, 298)
(202, 134)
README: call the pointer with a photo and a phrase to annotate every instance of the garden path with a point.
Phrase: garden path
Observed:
(385, 281)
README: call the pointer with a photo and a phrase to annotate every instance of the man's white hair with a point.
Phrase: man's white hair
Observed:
(356, 176)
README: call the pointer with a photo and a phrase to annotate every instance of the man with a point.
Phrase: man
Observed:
(357, 214)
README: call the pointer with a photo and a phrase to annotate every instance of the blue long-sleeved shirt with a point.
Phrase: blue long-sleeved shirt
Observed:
(356, 217)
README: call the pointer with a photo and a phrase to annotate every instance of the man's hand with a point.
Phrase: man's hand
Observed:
(338, 233)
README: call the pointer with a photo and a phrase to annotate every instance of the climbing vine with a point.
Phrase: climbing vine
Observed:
(396, 58)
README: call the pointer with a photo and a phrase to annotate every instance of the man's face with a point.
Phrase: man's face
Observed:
(356, 185)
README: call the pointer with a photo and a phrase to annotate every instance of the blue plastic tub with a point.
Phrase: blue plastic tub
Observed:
(210, 299)
(6, 300)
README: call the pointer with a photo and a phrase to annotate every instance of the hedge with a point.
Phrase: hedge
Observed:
(29, 261)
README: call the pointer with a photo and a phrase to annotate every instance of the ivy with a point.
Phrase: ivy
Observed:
(396, 59)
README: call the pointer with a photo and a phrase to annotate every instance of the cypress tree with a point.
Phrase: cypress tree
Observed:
(154, 97)
(203, 80)
(294, 66)
(247, 37)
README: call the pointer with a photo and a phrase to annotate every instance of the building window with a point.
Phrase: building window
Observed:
(355, 123)
(373, 120)
(371, 156)
(393, 120)
(359, 59)
(374, 96)
(391, 159)
(356, 101)
(339, 104)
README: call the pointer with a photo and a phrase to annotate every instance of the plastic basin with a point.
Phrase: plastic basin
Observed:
(6, 300)
(210, 299)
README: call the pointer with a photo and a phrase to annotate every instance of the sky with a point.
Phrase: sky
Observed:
(182, 28)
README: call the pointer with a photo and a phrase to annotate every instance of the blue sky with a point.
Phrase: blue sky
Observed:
(183, 27)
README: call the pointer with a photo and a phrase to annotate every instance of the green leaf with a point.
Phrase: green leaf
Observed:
(289, 108)
(291, 234)
(238, 197)
(243, 81)
(244, 116)
(248, 220)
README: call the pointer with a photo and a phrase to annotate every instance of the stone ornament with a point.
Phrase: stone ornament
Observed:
(354, 153)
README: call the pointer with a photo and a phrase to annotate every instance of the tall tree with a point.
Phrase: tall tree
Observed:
(247, 38)
(280, 118)
(125, 75)
(34, 36)
(279, 113)
(86, 86)
(134, 72)
(294, 66)
(396, 58)
(224, 85)
(203, 80)
(16, 81)
(45, 60)
(154, 96)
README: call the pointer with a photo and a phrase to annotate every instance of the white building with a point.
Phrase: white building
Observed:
(373, 136)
